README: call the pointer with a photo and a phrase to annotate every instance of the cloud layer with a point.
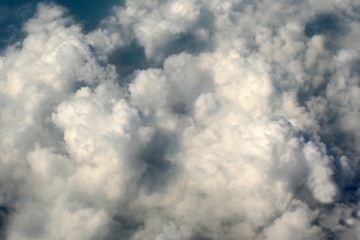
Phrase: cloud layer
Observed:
(183, 120)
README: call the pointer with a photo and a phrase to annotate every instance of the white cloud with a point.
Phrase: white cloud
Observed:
(242, 124)
(295, 223)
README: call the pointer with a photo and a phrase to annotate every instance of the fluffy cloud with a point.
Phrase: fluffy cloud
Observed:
(294, 224)
(242, 122)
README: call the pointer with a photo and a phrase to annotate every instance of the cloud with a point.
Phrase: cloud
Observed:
(294, 224)
(183, 120)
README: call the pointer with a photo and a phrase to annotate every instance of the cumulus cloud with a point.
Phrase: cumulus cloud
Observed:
(183, 120)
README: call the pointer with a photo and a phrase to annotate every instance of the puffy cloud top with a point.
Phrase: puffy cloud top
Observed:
(221, 120)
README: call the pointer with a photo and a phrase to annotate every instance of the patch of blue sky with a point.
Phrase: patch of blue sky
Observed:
(13, 14)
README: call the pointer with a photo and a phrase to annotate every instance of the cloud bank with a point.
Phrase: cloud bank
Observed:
(183, 119)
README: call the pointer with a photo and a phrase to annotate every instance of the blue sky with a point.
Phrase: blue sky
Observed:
(13, 13)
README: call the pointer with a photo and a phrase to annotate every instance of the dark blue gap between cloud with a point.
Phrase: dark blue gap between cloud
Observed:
(14, 13)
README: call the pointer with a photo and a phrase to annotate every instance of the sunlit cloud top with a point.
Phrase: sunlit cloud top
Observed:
(180, 119)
